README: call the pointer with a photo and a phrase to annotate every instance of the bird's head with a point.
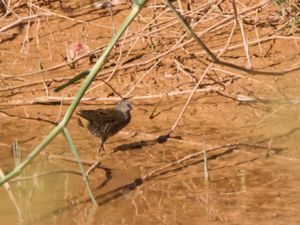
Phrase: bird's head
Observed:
(124, 106)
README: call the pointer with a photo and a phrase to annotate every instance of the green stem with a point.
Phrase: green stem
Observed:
(190, 31)
(72, 80)
(139, 4)
(75, 153)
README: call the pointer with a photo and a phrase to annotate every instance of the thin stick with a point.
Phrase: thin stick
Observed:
(256, 33)
(239, 20)
(60, 109)
(269, 148)
(11, 196)
(181, 160)
(55, 100)
(75, 153)
(44, 81)
(154, 172)
(141, 78)
(189, 30)
(23, 20)
(205, 164)
(93, 167)
(51, 13)
(45, 174)
(114, 71)
(267, 116)
(112, 18)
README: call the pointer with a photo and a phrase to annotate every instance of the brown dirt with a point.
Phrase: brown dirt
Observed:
(245, 187)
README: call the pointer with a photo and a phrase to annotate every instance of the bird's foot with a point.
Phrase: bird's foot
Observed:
(101, 151)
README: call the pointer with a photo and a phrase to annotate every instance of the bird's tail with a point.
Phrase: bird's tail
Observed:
(83, 122)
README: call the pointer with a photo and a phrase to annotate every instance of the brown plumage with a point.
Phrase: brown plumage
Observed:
(105, 123)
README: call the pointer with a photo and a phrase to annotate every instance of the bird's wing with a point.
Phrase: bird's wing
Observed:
(100, 116)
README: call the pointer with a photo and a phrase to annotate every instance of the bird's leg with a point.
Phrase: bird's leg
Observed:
(101, 147)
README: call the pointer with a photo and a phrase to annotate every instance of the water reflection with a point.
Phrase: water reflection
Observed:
(38, 198)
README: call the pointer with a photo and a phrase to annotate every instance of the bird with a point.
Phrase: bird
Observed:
(105, 123)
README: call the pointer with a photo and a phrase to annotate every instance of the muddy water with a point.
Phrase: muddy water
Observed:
(245, 187)
(37, 199)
